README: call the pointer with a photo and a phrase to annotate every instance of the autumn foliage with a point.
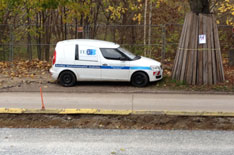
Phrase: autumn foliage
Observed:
(38, 24)
(22, 69)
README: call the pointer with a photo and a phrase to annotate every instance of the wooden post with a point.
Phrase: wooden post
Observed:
(199, 77)
(175, 67)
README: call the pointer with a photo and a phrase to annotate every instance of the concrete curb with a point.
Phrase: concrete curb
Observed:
(127, 92)
(112, 112)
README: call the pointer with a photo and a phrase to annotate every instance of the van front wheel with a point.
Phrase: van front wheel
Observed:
(67, 79)
(139, 79)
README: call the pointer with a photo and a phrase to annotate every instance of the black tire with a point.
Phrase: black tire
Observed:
(67, 79)
(139, 79)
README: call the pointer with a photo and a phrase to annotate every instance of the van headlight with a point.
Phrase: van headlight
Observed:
(155, 67)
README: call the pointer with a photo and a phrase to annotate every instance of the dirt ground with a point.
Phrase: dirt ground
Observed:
(147, 122)
(31, 75)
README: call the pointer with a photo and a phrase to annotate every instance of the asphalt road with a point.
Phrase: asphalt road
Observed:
(120, 101)
(114, 142)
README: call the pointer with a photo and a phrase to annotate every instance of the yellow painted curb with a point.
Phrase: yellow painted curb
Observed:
(12, 110)
(40, 111)
(95, 111)
(111, 112)
(63, 111)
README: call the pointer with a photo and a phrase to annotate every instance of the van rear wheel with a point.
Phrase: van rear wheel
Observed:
(67, 79)
(139, 79)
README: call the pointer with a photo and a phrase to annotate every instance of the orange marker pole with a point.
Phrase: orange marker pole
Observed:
(42, 102)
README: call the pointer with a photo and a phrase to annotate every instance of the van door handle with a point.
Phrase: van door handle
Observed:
(104, 65)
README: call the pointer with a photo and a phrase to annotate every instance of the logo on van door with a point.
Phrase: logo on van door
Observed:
(91, 52)
(88, 55)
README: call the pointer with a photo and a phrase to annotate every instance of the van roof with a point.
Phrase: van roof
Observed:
(90, 42)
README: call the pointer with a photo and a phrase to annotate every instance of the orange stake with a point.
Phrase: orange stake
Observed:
(42, 102)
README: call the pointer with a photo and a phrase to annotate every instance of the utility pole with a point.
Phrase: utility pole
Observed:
(145, 20)
(150, 29)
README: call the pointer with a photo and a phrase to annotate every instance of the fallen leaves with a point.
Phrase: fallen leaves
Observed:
(21, 69)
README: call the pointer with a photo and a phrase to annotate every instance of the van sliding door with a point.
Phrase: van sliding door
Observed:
(87, 63)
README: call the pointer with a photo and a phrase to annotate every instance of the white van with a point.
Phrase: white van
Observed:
(95, 60)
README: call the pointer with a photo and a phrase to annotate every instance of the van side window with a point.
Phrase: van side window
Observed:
(112, 54)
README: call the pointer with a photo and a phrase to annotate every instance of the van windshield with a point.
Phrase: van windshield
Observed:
(129, 54)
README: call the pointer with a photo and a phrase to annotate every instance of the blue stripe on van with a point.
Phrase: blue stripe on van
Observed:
(103, 67)
(140, 68)
(115, 67)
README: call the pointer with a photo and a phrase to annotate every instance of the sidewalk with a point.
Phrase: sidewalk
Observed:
(118, 103)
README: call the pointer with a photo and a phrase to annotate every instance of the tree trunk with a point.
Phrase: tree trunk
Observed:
(29, 43)
(65, 24)
(46, 18)
(38, 38)
(133, 40)
(96, 14)
(48, 36)
(80, 34)
(199, 6)
(198, 59)
(76, 28)
(61, 25)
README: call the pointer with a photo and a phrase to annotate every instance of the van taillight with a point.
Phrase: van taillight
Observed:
(54, 57)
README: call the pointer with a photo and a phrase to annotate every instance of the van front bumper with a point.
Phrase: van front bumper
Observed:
(156, 75)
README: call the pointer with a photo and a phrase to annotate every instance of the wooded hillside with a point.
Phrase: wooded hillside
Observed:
(39, 24)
